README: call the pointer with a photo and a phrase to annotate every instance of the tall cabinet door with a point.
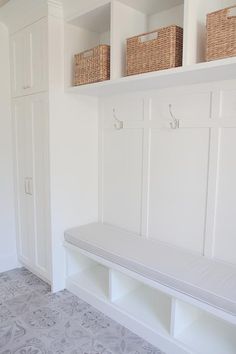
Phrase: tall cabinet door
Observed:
(31, 137)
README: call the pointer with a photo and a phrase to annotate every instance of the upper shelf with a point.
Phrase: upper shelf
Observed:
(218, 70)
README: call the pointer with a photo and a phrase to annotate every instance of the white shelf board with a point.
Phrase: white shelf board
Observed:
(149, 307)
(218, 70)
(153, 6)
(208, 335)
(94, 280)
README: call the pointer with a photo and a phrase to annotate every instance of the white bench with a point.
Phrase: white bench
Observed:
(179, 301)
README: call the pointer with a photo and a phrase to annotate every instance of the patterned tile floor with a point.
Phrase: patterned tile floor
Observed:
(34, 321)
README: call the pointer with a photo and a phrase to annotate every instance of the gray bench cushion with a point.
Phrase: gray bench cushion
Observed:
(204, 279)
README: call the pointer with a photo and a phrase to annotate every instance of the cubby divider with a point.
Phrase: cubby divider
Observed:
(202, 332)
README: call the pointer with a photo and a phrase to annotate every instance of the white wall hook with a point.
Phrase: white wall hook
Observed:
(175, 123)
(119, 124)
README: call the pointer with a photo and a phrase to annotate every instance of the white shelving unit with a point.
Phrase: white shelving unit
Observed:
(193, 74)
(114, 21)
(173, 325)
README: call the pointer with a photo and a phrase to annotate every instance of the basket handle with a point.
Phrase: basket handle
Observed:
(148, 37)
(88, 53)
(231, 12)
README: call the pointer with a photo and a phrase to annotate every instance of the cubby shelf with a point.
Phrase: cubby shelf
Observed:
(148, 306)
(218, 70)
(209, 335)
(94, 280)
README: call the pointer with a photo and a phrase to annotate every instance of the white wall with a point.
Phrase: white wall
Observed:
(8, 259)
(174, 186)
(73, 155)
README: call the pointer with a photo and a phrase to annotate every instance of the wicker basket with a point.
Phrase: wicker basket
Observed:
(157, 50)
(221, 34)
(92, 65)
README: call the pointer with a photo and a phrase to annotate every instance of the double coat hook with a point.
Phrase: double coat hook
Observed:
(175, 123)
(118, 124)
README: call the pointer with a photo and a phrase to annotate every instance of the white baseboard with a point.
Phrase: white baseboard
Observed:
(8, 262)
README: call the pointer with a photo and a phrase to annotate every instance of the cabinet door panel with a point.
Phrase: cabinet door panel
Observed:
(18, 49)
(29, 59)
(122, 178)
(37, 54)
(24, 158)
(178, 187)
(225, 236)
(31, 136)
(39, 111)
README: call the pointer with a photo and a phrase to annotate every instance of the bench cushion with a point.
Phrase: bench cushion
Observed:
(207, 280)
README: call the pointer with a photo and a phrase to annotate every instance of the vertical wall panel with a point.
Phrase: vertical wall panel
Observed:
(178, 185)
(122, 178)
(225, 228)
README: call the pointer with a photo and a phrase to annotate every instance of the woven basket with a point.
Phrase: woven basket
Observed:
(157, 50)
(221, 34)
(92, 65)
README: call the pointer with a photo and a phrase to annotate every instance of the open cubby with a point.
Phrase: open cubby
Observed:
(202, 332)
(140, 17)
(88, 275)
(85, 32)
(146, 304)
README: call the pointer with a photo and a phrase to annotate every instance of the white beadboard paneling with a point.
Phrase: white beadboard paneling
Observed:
(188, 107)
(225, 240)
(122, 178)
(129, 108)
(178, 185)
(228, 104)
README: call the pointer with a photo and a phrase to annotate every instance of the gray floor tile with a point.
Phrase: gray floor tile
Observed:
(34, 321)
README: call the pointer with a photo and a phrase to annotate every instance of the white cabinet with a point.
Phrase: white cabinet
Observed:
(29, 59)
(32, 170)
